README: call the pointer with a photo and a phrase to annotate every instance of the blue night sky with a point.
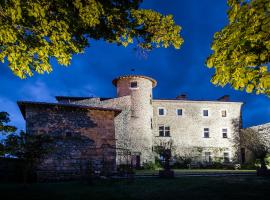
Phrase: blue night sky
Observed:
(176, 71)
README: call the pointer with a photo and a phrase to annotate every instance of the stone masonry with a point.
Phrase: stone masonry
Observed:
(84, 137)
(143, 122)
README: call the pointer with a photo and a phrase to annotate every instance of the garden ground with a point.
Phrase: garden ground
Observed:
(231, 187)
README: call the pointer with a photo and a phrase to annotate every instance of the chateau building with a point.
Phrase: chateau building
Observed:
(137, 122)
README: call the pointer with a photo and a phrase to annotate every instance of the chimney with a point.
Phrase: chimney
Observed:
(224, 98)
(181, 97)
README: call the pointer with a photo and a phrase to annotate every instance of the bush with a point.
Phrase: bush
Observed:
(151, 165)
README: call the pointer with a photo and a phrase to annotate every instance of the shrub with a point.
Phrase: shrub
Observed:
(151, 165)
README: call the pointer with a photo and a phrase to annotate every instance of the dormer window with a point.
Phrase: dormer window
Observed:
(133, 84)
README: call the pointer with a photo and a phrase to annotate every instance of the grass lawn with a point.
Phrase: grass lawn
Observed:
(148, 188)
(193, 171)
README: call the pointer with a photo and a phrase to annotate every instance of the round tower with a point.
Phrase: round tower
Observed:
(139, 88)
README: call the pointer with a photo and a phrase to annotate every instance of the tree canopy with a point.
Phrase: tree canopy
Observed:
(258, 142)
(241, 50)
(33, 31)
(4, 120)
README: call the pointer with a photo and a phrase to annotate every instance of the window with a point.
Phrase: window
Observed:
(206, 132)
(179, 112)
(224, 113)
(225, 133)
(207, 156)
(226, 157)
(133, 84)
(161, 111)
(151, 123)
(205, 113)
(164, 131)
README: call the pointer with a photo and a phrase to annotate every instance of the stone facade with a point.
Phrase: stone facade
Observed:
(187, 130)
(84, 138)
(137, 126)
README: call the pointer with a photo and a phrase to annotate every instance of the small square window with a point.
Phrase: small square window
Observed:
(205, 113)
(179, 112)
(206, 132)
(224, 113)
(161, 111)
(225, 133)
(133, 84)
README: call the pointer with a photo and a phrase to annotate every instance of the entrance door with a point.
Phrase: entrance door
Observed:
(138, 161)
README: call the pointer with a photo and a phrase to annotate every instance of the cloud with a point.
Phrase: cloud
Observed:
(37, 91)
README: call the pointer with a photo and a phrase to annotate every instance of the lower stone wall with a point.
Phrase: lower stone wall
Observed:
(84, 140)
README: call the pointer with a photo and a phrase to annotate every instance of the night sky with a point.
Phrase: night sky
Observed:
(176, 71)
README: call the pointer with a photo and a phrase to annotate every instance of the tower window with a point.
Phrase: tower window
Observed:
(224, 113)
(164, 131)
(225, 133)
(179, 112)
(161, 112)
(206, 132)
(205, 113)
(133, 84)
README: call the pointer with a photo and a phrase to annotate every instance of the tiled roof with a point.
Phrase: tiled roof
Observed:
(22, 105)
(154, 82)
(59, 98)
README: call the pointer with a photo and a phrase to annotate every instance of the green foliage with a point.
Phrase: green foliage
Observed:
(32, 32)
(151, 165)
(242, 48)
(28, 147)
(4, 119)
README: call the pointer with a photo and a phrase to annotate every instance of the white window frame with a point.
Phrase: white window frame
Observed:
(164, 130)
(165, 111)
(226, 132)
(176, 111)
(133, 88)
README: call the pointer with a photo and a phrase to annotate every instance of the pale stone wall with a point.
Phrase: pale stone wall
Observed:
(187, 131)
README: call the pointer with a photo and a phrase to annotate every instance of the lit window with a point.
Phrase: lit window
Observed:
(225, 133)
(206, 132)
(164, 131)
(161, 111)
(226, 157)
(205, 113)
(224, 113)
(133, 84)
(179, 112)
